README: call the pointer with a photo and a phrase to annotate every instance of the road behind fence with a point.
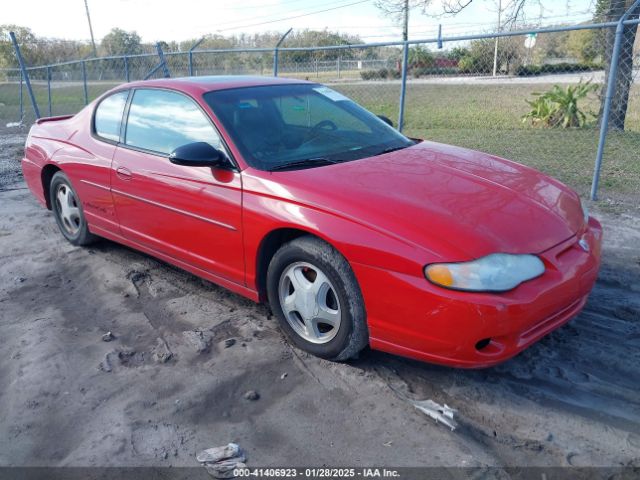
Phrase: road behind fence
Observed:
(458, 91)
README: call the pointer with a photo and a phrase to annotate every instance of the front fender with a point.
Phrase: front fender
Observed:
(358, 243)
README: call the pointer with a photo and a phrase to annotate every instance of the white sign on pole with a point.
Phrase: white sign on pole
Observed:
(530, 40)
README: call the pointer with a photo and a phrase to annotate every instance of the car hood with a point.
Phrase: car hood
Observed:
(436, 196)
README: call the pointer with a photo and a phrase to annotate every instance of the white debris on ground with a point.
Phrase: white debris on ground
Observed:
(440, 413)
(107, 337)
(14, 124)
(221, 462)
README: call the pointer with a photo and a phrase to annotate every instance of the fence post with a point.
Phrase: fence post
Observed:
(84, 82)
(338, 67)
(163, 62)
(611, 89)
(126, 69)
(21, 98)
(49, 89)
(24, 74)
(193, 47)
(275, 62)
(275, 52)
(403, 87)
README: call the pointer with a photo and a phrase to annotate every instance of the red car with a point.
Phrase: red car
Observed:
(287, 191)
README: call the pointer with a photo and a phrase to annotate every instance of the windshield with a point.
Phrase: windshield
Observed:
(300, 126)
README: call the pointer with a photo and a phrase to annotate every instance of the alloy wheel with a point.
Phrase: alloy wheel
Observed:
(68, 209)
(309, 302)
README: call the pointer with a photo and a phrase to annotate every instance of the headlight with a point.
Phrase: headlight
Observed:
(497, 272)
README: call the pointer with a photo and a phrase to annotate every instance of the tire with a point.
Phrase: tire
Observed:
(316, 299)
(67, 210)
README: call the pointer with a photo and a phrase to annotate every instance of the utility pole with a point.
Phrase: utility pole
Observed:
(405, 21)
(93, 40)
(495, 47)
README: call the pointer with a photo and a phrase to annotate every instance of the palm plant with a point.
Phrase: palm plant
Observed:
(558, 107)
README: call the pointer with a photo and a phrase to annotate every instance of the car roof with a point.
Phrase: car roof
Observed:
(214, 82)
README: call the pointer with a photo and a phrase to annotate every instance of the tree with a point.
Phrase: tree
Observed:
(26, 40)
(38, 51)
(312, 38)
(120, 42)
(584, 45)
(457, 53)
(612, 11)
(399, 10)
(553, 45)
(511, 11)
(479, 58)
(420, 57)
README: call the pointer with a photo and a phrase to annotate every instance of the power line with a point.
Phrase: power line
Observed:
(449, 29)
(247, 7)
(291, 17)
(244, 7)
(270, 17)
(573, 16)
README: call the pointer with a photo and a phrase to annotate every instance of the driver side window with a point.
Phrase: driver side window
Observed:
(162, 120)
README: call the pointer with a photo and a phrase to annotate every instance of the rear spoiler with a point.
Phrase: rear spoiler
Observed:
(52, 119)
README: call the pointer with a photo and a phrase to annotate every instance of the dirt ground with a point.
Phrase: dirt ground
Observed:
(172, 381)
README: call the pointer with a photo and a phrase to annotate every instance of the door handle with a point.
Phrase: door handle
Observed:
(123, 173)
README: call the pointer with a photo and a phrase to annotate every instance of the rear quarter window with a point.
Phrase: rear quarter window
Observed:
(108, 116)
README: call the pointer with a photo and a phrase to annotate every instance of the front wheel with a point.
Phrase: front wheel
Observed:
(67, 209)
(316, 298)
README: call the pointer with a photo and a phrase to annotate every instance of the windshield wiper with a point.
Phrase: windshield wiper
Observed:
(392, 149)
(304, 163)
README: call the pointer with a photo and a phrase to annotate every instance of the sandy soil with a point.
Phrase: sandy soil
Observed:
(173, 380)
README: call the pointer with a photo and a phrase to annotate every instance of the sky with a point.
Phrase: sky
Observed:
(180, 20)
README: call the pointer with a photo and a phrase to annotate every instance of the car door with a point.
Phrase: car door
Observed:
(91, 171)
(190, 213)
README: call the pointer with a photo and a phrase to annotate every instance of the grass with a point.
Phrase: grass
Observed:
(481, 117)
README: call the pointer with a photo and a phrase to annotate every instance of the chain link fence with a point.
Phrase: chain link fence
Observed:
(531, 105)
(535, 97)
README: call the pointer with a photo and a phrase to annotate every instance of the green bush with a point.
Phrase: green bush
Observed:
(426, 71)
(458, 53)
(558, 107)
(531, 70)
(469, 64)
(381, 74)
(368, 74)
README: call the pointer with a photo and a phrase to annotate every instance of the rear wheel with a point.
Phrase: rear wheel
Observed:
(68, 212)
(317, 300)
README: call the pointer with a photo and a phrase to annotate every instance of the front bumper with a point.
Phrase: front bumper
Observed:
(409, 316)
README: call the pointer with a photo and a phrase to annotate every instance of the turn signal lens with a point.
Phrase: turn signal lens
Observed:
(440, 274)
(497, 272)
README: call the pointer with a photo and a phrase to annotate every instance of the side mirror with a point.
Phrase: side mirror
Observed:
(197, 154)
(386, 120)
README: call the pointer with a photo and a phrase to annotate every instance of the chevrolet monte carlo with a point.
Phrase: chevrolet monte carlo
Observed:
(288, 192)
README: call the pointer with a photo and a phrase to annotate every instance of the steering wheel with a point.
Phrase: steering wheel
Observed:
(322, 125)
